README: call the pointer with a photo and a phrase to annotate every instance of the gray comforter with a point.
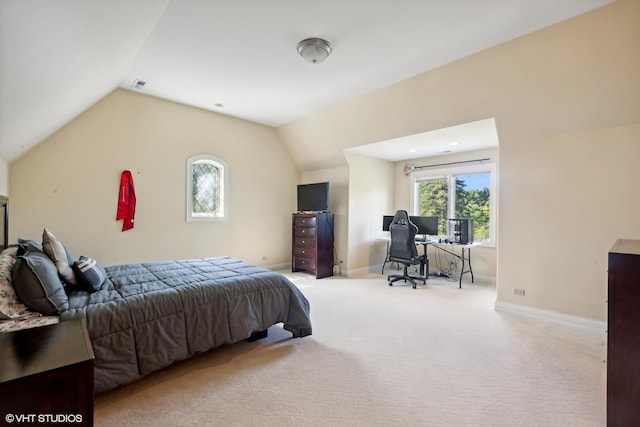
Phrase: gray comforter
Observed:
(147, 316)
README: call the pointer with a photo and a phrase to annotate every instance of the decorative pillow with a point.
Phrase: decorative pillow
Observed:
(59, 254)
(36, 282)
(89, 273)
(10, 307)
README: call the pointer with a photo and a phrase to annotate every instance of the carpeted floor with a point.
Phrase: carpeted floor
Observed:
(383, 356)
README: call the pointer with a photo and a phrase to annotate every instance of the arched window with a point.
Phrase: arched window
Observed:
(206, 189)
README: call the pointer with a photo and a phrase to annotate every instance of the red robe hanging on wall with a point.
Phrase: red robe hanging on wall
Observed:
(126, 201)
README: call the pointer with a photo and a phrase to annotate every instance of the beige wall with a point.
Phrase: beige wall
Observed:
(69, 184)
(4, 178)
(558, 96)
(370, 197)
(559, 220)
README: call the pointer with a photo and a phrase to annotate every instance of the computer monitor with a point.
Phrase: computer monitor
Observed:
(386, 222)
(427, 225)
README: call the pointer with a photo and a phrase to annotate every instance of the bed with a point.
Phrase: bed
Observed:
(144, 317)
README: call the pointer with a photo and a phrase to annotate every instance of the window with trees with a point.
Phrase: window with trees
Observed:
(462, 193)
(206, 189)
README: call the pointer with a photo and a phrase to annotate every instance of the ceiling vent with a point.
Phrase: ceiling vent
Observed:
(138, 84)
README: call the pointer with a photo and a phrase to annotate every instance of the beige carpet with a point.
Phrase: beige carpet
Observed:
(383, 356)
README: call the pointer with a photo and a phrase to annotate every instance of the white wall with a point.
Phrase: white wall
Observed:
(69, 184)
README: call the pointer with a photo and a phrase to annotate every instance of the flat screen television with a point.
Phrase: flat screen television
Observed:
(313, 197)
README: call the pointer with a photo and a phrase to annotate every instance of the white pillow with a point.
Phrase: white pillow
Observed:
(60, 256)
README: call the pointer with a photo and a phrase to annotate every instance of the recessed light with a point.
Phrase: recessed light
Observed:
(452, 143)
(413, 150)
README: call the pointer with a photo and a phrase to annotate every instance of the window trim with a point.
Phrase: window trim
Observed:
(224, 189)
(449, 173)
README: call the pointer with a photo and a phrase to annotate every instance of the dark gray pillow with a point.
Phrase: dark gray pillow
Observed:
(37, 284)
(89, 273)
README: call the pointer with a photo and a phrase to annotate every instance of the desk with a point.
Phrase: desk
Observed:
(465, 255)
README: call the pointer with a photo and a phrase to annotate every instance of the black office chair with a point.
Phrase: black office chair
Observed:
(403, 249)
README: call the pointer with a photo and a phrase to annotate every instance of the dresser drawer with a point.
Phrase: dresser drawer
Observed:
(305, 221)
(305, 242)
(305, 263)
(301, 251)
(309, 232)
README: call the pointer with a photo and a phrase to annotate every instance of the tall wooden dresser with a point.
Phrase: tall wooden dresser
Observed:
(623, 340)
(312, 243)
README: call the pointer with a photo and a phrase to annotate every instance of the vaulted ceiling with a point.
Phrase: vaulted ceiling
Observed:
(234, 57)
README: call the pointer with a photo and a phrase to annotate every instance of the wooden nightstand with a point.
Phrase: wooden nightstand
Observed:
(46, 376)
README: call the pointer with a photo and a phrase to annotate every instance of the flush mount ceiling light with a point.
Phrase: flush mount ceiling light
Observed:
(138, 84)
(314, 50)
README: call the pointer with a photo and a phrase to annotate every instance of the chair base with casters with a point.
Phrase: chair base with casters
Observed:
(405, 276)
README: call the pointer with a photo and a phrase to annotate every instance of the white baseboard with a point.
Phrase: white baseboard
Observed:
(362, 271)
(553, 316)
(276, 267)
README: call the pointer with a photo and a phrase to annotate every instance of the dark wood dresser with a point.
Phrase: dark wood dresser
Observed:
(623, 340)
(46, 375)
(312, 245)
(4, 222)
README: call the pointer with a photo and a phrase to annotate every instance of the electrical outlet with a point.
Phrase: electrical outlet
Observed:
(517, 291)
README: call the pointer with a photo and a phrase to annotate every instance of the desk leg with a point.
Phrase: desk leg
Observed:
(461, 270)
(469, 260)
(386, 258)
(470, 270)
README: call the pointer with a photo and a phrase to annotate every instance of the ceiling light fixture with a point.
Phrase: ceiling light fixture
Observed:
(138, 84)
(314, 50)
